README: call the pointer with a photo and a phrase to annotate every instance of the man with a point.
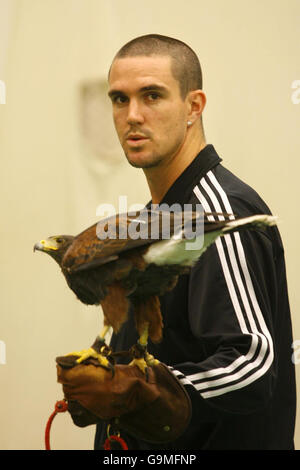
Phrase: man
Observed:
(227, 329)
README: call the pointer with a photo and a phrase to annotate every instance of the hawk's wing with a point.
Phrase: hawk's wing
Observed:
(105, 240)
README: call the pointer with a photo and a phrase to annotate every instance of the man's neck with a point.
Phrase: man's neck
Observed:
(161, 178)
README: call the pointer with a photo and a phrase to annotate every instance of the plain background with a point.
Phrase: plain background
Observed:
(52, 182)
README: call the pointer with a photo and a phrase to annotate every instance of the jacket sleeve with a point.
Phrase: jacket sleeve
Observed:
(232, 298)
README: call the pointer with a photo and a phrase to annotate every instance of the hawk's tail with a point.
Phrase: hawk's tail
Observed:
(179, 251)
(260, 221)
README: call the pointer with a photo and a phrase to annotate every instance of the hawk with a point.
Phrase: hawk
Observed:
(133, 259)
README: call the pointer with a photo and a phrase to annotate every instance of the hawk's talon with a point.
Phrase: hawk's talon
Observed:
(141, 358)
(106, 350)
(140, 363)
(150, 360)
(100, 346)
(144, 362)
(138, 351)
(91, 353)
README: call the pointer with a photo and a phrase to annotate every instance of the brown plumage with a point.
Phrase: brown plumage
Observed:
(117, 272)
(113, 273)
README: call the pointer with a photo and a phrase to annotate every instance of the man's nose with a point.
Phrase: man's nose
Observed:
(134, 115)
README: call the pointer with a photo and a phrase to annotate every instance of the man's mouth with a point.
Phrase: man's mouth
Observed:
(136, 139)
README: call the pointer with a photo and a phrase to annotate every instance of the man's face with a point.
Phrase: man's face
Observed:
(149, 114)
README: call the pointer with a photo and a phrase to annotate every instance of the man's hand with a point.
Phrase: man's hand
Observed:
(155, 408)
(105, 394)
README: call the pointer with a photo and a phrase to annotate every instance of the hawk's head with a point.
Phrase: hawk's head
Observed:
(55, 246)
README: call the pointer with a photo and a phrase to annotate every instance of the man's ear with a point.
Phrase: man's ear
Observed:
(196, 103)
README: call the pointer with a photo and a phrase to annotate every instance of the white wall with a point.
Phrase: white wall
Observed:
(49, 182)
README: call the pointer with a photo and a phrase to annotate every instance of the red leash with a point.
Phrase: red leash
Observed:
(60, 407)
(110, 439)
(113, 440)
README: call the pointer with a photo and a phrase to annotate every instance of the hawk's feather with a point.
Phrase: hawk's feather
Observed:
(105, 265)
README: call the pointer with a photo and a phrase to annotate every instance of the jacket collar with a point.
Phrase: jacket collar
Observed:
(180, 191)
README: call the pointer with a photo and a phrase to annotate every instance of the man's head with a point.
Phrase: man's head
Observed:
(185, 65)
(156, 91)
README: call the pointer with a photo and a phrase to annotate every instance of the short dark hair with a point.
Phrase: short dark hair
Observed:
(185, 66)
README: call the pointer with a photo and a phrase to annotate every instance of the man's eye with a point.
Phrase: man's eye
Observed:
(119, 99)
(153, 96)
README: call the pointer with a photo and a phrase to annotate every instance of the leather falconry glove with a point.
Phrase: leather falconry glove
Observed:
(155, 408)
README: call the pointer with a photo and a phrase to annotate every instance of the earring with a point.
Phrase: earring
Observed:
(189, 123)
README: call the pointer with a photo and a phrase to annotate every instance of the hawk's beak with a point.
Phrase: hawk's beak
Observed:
(45, 245)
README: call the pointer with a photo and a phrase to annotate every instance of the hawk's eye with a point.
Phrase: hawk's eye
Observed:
(59, 240)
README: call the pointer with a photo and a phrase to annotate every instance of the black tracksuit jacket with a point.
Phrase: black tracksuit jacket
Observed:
(227, 327)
